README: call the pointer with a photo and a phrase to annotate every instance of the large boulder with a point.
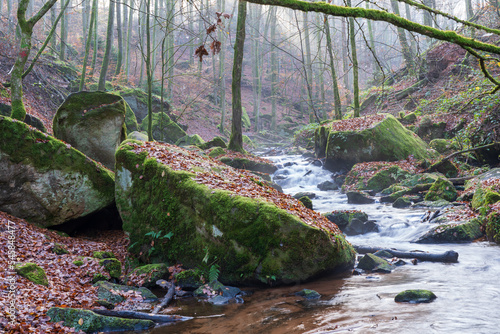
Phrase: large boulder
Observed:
(46, 181)
(94, 123)
(164, 128)
(375, 138)
(257, 234)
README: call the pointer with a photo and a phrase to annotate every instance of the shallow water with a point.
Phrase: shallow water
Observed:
(468, 291)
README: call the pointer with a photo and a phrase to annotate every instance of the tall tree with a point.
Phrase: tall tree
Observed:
(87, 45)
(336, 93)
(26, 28)
(119, 31)
(95, 39)
(149, 71)
(64, 35)
(107, 50)
(274, 68)
(236, 140)
(354, 56)
(405, 47)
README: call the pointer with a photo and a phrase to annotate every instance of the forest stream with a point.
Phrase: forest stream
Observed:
(468, 295)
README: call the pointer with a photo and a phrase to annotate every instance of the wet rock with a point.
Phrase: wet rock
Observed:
(357, 226)
(90, 322)
(415, 296)
(105, 292)
(384, 253)
(308, 294)
(308, 194)
(441, 189)
(342, 218)
(402, 202)
(453, 232)
(289, 164)
(373, 263)
(152, 272)
(219, 294)
(327, 185)
(307, 202)
(358, 197)
(190, 279)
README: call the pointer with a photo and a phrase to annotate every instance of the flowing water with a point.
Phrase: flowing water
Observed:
(468, 291)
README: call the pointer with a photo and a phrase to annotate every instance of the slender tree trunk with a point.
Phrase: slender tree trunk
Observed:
(191, 29)
(354, 56)
(274, 68)
(107, 51)
(236, 141)
(52, 22)
(336, 93)
(9, 16)
(405, 48)
(87, 46)
(26, 28)
(149, 73)
(222, 75)
(129, 33)
(85, 33)
(345, 61)
(96, 40)
(375, 67)
(64, 36)
(413, 42)
(119, 58)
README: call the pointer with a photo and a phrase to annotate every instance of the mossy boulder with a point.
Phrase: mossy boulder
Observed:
(443, 145)
(112, 266)
(374, 176)
(93, 123)
(59, 249)
(415, 296)
(32, 272)
(137, 99)
(130, 119)
(190, 279)
(152, 273)
(485, 189)
(359, 197)
(190, 140)
(306, 201)
(215, 142)
(386, 177)
(103, 255)
(136, 135)
(252, 238)
(108, 291)
(453, 232)
(164, 129)
(429, 130)
(248, 163)
(493, 227)
(308, 294)
(386, 140)
(46, 181)
(442, 189)
(90, 322)
(342, 218)
(370, 262)
(408, 119)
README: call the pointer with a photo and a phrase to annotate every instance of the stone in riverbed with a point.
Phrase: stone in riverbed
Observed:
(308, 294)
(415, 296)
(359, 197)
(307, 202)
(373, 263)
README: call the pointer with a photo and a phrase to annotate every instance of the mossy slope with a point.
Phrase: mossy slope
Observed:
(46, 181)
(253, 240)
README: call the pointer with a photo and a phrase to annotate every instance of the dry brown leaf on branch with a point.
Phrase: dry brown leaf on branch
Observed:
(215, 47)
(211, 29)
(200, 52)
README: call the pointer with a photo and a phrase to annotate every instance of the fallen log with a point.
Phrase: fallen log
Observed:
(446, 257)
(168, 297)
(141, 315)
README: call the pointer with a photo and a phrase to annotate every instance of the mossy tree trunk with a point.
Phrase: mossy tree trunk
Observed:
(274, 68)
(222, 72)
(149, 72)
(96, 41)
(119, 30)
(336, 92)
(129, 33)
(236, 141)
(26, 28)
(64, 34)
(405, 47)
(107, 51)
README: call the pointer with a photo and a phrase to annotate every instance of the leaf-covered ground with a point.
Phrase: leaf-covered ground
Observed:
(69, 285)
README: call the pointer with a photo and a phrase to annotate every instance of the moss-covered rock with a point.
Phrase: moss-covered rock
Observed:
(108, 291)
(386, 177)
(359, 197)
(308, 294)
(130, 119)
(454, 232)
(216, 152)
(103, 255)
(428, 130)
(78, 263)
(342, 218)
(190, 140)
(137, 99)
(190, 279)
(59, 249)
(136, 135)
(215, 142)
(32, 272)
(164, 129)
(386, 140)
(249, 163)
(493, 227)
(442, 189)
(415, 296)
(98, 277)
(306, 201)
(370, 262)
(46, 181)
(443, 145)
(408, 119)
(91, 322)
(112, 266)
(252, 238)
(92, 122)
(152, 272)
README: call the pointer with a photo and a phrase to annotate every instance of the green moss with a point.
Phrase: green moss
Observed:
(306, 201)
(112, 266)
(245, 120)
(32, 272)
(248, 142)
(493, 227)
(18, 110)
(99, 278)
(443, 145)
(93, 323)
(190, 140)
(386, 177)
(441, 189)
(191, 278)
(103, 255)
(308, 294)
(78, 263)
(106, 291)
(483, 197)
(217, 151)
(251, 238)
(163, 128)
(130, 119)
(59, 249)
(415, 296)
(464, 232)
(215, 142)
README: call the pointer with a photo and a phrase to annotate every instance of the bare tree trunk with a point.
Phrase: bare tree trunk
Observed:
(354, 56)
(119, 58)
(405, 48)
(87, 46)
(236, 141)
(107, 51)
(336, 93)
(274, 68)
(96, 41)
(149, 73)
(222, 75)
(129, 33)
(64, 36)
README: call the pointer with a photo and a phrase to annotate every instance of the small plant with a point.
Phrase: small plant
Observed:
(156, 236)
(212, 269)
